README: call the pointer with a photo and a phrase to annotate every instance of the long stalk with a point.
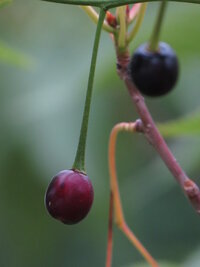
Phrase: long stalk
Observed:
(79, 163)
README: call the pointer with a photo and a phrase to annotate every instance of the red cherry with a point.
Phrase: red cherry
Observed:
(69, 196)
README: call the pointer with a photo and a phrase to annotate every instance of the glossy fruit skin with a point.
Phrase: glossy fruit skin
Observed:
(69, 196)
(154, 73)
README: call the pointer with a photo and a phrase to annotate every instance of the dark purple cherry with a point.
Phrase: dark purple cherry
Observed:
(154, 72)
(69, 196)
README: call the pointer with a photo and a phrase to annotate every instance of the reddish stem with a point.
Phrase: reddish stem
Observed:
(154, 137)
(110, 233)
(116, 202)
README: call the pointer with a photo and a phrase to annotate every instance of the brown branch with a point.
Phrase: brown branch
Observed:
(154, 137)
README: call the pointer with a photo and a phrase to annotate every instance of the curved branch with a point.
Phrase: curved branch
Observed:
(115, 197)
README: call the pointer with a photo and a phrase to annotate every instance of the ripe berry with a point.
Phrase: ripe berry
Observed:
(69, 196)
(154, 72)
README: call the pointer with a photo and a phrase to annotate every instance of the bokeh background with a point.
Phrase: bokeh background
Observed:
(42, 92)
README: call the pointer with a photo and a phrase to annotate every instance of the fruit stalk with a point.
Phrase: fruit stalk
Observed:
(153, 45)
(121, 14)
(79, 163)
(154, 137)
(138, 23)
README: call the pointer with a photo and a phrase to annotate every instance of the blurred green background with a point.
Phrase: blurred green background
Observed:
(41, 101)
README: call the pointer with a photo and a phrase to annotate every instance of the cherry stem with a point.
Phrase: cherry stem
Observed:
(121, 14)
(154, 137)
(154, 40)
(79, 163)
(140, 17)
(119, 216)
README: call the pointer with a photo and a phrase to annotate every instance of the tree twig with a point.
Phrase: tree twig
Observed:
(154, 137)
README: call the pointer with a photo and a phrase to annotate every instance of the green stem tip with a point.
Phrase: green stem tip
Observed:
(153, 45)
(79, 162)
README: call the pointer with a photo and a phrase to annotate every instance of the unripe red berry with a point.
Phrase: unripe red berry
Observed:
(69, 196)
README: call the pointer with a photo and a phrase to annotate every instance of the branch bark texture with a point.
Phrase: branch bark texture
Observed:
(148, 127)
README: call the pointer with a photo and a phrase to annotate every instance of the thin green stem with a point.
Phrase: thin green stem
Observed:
(113, 3)
(79, 163)
(95, 17)
(153, 45)
(121, 42)
(138, 23)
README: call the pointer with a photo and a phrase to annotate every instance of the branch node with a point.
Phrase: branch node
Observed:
(193, 193)
(137, 99)
(139, 127)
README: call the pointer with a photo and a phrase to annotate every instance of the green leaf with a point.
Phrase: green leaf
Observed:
(111, 3)
(13, 57)
(189, 125)
(4, 2)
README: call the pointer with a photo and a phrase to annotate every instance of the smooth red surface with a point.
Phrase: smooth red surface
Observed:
(69, 196)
